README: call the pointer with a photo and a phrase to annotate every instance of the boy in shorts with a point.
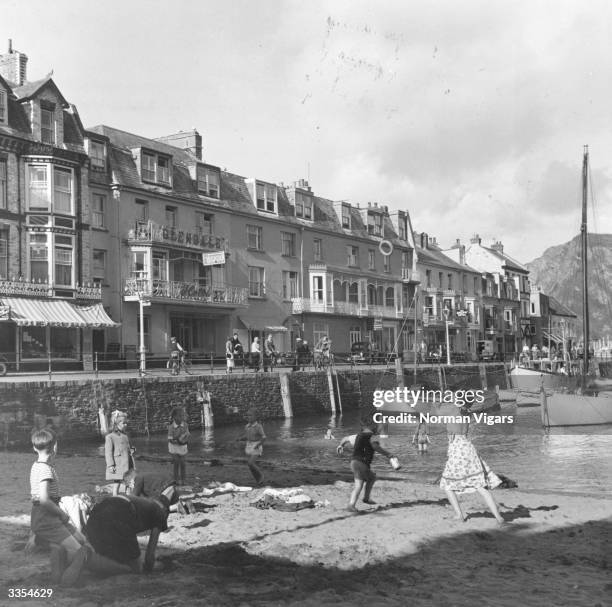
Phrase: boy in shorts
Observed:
(49, 522)
(366, 443)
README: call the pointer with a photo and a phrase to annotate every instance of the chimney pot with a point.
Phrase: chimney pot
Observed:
(10, 48)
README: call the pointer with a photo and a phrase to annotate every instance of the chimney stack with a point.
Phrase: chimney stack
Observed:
(498, 246)
(13, 66)
(475, 239)
(191, 141)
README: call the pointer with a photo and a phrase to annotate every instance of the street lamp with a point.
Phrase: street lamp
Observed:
(143, 300)
(446, 322)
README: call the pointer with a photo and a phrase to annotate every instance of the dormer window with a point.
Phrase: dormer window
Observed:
(346, 216)
(402, 231)
(266, 197)
(3, 107)
(47, 124)
(303, 206)
(97, 154)
(375, 224)
(155, 168)
(209, 180)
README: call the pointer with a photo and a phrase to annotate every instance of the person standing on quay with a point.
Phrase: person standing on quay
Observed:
(465, 471)
(255, 354)
(229, 355)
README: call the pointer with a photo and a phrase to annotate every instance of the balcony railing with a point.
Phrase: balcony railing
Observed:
(149, 233)
(432, 319)
(184, 291)
(303, 304)
(28, 288)
(410, 275)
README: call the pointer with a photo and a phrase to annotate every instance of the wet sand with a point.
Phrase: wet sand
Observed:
(408, 550)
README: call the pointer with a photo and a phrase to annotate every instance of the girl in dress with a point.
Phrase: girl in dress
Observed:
(117, 450)
(465, 471)
(178, 435)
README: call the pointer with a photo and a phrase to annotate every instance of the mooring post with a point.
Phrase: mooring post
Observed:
(285, 394)
(332, 396)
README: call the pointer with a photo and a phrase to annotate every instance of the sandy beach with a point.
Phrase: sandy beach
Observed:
(408, 549)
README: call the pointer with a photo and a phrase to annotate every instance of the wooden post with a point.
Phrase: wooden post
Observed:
(332, 396)
(285, 394)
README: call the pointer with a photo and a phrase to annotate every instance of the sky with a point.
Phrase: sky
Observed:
(470, 115)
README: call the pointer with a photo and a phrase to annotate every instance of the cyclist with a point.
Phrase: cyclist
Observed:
(176, 356)
(323, 352)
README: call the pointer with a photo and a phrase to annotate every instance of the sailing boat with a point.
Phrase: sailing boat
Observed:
(586, 408)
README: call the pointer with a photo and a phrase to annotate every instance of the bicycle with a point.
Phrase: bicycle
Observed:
(180, 360)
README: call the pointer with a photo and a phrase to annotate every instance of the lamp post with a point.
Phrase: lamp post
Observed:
(446, 322)
(143, 300)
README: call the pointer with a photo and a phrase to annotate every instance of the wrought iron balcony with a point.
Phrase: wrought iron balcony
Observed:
(32, 288)
(148, 233)
(304, 304)
(186, 292)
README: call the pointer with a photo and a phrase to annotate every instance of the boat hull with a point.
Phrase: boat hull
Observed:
(533, 380)
(575, 410)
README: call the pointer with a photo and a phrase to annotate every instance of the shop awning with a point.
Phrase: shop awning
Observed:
(96, 316)
(55, 313)
(277, 329)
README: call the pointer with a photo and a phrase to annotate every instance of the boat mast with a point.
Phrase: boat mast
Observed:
(584, 238)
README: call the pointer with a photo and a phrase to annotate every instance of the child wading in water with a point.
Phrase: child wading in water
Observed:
(178, 435)
(254, 436)
(366, 443)
(118, 451)
(421, 437)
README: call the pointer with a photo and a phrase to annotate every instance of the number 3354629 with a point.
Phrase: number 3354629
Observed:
(30, 593)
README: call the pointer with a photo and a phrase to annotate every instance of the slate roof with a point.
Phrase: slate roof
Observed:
(29, 89)
(435, 256)
(234, 192)
(558, 309)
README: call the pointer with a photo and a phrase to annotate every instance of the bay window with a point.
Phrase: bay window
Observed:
(63, 260)
(3, 185)
(4, 239)
(39, 258)
(50, 188)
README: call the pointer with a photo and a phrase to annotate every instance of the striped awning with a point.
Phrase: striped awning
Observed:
(553, 337)
(55, 313)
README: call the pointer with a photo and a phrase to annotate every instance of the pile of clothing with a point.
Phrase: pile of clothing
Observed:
(286, 500)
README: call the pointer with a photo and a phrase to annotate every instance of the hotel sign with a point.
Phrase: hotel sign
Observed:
(213, 259)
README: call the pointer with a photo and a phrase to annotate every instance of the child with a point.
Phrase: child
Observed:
(118, 451)
(421, 437)
(254, 436)
(49, 522)
(365, 445)
(178, 435)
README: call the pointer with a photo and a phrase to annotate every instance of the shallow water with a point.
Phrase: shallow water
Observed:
(573, 460)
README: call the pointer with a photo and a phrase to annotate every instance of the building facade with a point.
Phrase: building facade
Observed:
(49, 305)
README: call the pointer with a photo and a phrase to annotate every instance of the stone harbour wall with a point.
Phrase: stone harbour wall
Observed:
(71, 407)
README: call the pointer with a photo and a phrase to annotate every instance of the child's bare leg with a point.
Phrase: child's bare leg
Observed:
(355, 493)
(175, 467)
(182, 468)
(76, 555)
(452, 498)
(255, 470)
(490, 502)
(368, 489)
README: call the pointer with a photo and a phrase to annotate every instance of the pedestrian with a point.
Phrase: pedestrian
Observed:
(114, 524)
(175, 357)
(255, 354)
(229, 355)
(178, 436)
(465, 471)
(269, 354)
(48, 521)
(305, 355)
(366, 443)
(254, 437)
(237, 349)
(421, 437)
(117, 450)
(296, 358)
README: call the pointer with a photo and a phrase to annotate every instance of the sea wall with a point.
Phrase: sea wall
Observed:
(71, 407)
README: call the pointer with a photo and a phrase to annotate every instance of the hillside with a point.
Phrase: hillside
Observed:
(558, 271)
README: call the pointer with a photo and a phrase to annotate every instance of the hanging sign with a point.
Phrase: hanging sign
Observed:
(213, 259)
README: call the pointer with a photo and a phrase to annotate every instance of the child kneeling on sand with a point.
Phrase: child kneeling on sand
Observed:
(366, 443)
